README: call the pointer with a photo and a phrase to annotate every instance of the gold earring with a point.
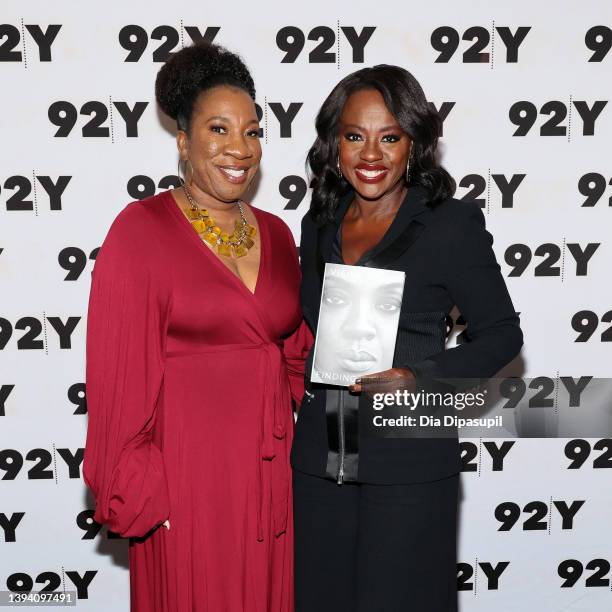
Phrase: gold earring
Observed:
(183, 179)
(178, 171)
(408, 165)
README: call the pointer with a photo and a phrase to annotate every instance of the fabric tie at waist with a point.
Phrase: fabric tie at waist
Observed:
(276, 400)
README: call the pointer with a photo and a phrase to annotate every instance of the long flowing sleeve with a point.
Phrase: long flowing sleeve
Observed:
(296, 348)
(127, 318)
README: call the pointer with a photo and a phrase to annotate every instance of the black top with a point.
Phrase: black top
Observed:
(447, 256)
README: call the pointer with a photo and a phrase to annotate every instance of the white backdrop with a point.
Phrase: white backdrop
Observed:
(59, 193)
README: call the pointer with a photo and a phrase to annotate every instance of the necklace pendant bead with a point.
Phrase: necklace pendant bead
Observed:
(240, 251)
(210, 238)
(199, 226)
(237, 243)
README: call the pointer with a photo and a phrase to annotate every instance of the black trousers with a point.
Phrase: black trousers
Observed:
(375, 548)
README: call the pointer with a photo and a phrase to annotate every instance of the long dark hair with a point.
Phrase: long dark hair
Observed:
(406, 101)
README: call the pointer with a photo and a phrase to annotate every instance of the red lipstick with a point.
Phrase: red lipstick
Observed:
(370, 173)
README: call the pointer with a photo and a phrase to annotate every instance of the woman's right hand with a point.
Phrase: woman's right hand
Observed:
(166, 524)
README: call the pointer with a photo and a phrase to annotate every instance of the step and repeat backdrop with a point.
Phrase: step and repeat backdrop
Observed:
(524, 91)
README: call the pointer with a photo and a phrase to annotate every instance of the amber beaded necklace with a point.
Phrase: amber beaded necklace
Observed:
(237, 243)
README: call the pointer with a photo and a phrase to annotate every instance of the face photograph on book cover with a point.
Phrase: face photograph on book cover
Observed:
(358, 321)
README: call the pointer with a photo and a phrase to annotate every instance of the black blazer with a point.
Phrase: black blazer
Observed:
(446, 254)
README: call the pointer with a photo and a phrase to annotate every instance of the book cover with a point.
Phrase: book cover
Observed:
(358, 321)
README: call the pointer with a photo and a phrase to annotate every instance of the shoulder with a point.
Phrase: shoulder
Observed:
(453, 218)
(147, 211)
(307, 220)
(453, 210)
(308, 225)
(136, 226)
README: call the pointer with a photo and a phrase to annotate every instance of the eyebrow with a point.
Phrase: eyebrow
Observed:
(346, 283)
(333, 279)
(221, 118)
(387, 128)
(391, 286)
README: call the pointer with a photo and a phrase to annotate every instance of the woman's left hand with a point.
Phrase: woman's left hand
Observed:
(383, 382)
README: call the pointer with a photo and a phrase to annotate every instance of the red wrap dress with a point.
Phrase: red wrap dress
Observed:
(189, 384)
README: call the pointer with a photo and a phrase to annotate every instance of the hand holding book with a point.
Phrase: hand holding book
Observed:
(383, 382)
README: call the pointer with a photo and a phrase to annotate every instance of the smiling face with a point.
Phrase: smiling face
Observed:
(357, 325)
(373, 149)
(223, 145)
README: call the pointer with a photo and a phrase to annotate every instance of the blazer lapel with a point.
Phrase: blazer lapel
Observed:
(410, 220)
(397, 248)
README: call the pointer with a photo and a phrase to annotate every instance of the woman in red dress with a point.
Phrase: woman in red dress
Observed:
(195, 346)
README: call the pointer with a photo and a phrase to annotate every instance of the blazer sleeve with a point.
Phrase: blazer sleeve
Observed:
(126, 324)
(476, 285)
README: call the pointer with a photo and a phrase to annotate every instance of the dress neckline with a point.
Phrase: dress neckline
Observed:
(261, 228)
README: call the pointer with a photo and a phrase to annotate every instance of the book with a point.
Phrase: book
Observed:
(358, 320)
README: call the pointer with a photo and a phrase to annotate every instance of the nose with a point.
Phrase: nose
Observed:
(371, 152)
(358, 324)
(237, 146)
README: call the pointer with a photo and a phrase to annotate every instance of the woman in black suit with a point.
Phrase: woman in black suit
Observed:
(375, 519)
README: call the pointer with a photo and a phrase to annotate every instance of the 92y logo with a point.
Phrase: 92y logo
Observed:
(471, 458)
(135, 39)
(73, 260)
(478, 184)
(11, 39)
(492, 572)
(5, 391)
(599, 40)
(64, 115)
(24, 583)
(91, 528)
(9, 524)
(292, 41)
(578, 451)
(586, 322)
(573, 570)
(524, 115)
(509, 514)
(593, 185)
(541, 391)
(446, 41)
(45, 463)
(519, 256)
(23, 186)
(33, 328)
